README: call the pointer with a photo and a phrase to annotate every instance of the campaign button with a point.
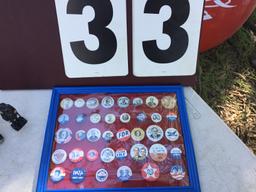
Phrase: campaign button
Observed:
(124, 173)
(177, 172)
(79, 103)
(168, 102)
(123, 102)
(110, 118)
(66, 103)
(93, 134)
(108, 136)
(57, 174)
(92, 103)
(171, 116)
(63, 119)
(107, 155)
(108, 102)
(156, 117)
(158, 152)
(59, 156)
(138, 134)
(121, 153)
(95, 118)
(77, 175)
(123, 134)
(80, 135)
(92, 155)
(172, 134)
(139, 152)
(141, 117)
(137, 101)
(176, 153)
(76, 155)
(63, 135)
(154, 133)
(80, 118)
(150, 172)
(152, 101)
(101, 175)
(125, 117)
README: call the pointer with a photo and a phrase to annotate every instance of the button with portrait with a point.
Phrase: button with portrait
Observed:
(76, 155)
(139, 152)
(108, 102)
(137, 101)
(63, 119)
(172, 134)
(152, 101)
(138, 134)
(80, 135)
(150, 171)
(158, 152)
(63, 135)
(156, 117)
(125, 117)
(93, 134)
(101, 175)
(57, 174)
(141, 117)
(79, 103)
(107, 155)
(154, 133)
(110, 118)
(80, 118)
(108, 136)
(92, 103)
(95, 118)
(59, 156)
(123, 102)
(66, 103)
(177, 172)
(169, 102)
(124, 173)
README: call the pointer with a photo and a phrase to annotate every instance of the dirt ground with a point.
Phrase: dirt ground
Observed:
(227, 81)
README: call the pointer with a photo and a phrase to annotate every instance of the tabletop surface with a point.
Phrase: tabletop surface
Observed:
(224, 163)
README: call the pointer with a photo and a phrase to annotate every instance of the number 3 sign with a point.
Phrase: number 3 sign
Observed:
(95, 37)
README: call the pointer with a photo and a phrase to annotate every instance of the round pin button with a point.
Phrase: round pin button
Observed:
(66, 103)
(59, 156)
(92, 155)
(57, 174)
(63, 135)
(123, 134)
(168, 102)
(80, 135)
(176, 153)
(150, 172)
(137, 101)
(121, 153)
(171, 116)
(108, 102)
(107, 155)
(172, 134)
(125, 117)
(138, 134)
(123, 102)
(80, 118)
(92, 103)
(158, 152)
(93, 134)
(108, 136)
(154, 133)
(95, 118)
(124, 173)
(177, 172)
(156, 117)
(76, 155)
(77, 175)
(152, 101)
(63, 119)
(79, 103)
(139, 152)
(141, 117)
(101, 175)
(110, 118)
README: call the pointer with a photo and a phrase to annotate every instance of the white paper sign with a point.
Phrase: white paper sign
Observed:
(93, 37)
(166, 37)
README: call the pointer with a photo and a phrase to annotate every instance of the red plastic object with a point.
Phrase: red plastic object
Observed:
(222, 18)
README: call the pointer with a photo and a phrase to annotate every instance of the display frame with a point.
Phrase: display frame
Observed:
(194, 185)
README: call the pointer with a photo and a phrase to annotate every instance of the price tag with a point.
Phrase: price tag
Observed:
(166, 37)
(93, 37)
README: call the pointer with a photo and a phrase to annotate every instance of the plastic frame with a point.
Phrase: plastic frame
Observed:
(49, 135)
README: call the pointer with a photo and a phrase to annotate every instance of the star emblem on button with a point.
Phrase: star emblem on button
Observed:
(150, 172)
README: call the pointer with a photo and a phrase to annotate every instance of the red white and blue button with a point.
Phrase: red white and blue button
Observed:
(76, 155)
(177, 172)
(92, 155)
(80, 135)
(57, 174)
(121, 153)
(176, 153)
(171, 116)
(63, 135)
(150, 172)
(123, 134)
